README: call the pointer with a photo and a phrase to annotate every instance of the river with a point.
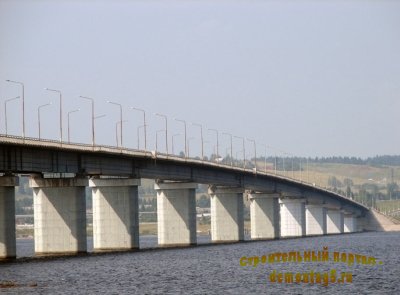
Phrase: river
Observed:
(210, 269)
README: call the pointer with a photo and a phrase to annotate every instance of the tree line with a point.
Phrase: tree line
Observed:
(385, 160)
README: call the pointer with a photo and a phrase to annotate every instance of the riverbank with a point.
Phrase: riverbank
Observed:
(145, 228)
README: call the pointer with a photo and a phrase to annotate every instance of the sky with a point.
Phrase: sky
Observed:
(310, 78)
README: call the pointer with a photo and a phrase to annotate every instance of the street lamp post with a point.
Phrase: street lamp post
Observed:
(301, 172)
(230, 135)
(283, 161)
(144, 124)
(241, 151)
(173, 139)
(92, 102)
(188, 145)
(202, 141)
(265, 157)
(23, 104)
(275, 159)
(94, 120)
(38, 111)
(205, 142)
(116, 130)
(70, 112)
(292, 165)
(216, 132)
(5, 110)
(227, 152)
(59, 92)
(138, 137)
(120, 117)
(244, 151)
(166, 129)
(158, 131)
(255, 153)
(184, 123)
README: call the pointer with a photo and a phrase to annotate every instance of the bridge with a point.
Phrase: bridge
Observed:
(280, 207)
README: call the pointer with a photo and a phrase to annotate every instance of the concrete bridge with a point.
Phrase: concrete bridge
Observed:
(280, 207)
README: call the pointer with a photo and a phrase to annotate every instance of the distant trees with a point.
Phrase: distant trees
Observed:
(334, 182)
(383, 160)
(349, 193)
(392, 190)
(372, 161)
(348, 182)
(147, 204)
(24, 206)
(371, 187)
(23, 187)
(365, 197)
(203, 201)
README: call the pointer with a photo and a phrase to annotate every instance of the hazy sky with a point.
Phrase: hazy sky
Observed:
(313, 78)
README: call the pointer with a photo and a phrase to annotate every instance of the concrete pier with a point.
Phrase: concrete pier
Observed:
(350, 223)
(59, 215)
(315, 220)
(264, 215)
(7, 217)
(226, 214)
(292, 211)
(176, 213)
(115, 214)
(334, 221)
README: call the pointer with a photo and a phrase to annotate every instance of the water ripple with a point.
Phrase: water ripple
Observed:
(206, 269)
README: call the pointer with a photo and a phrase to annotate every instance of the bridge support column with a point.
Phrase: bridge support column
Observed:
(59, 215)
(264, 216)
(334, 221)
(176, 213)
(350, 223)
(292, 213)
(226, 214)
(315, 220)
(115, 214)
(7, 217)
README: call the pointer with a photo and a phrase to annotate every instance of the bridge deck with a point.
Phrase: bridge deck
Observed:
(30, 155)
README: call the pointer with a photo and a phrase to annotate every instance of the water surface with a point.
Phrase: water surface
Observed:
(211, 269)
